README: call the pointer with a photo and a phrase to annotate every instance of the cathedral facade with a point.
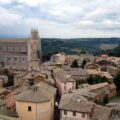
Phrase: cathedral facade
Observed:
(21, 54)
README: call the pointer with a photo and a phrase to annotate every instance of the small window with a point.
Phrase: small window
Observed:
(83, 115)
(64, 87)
(15, 59)
(65, 112)
(74, 113)
(51, 104)
(64, 83)
(73, 83)
(29, 108)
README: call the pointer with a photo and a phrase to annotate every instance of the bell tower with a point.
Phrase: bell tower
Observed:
(35, 49)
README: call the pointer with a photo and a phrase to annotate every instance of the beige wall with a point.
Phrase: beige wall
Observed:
(78, 115)
(22, 110)
(41, 111)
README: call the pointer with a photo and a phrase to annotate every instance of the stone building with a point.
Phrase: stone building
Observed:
(36, 103)
(21, 54)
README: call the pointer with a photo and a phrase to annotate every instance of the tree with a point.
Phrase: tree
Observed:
(83, 52)
(75, 64)
(117, 82)
(96, 79)
(90, 80)
(79, 82)
(84, 63)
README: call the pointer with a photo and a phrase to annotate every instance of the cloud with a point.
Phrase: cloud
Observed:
(8, 18)
(62, 18)
(6, 1)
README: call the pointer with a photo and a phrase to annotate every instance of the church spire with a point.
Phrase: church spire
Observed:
(34, 34)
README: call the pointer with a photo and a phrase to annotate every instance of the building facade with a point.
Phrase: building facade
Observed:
(20, 54)
(36, 103)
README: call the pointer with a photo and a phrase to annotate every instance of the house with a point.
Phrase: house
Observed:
(97, 92)
(93, 72)
(58, 58)
(113, 70)
(113, 91)
(88, 57)
(107, 75)
(77, 73)
(21, 78)
(86, 93)
(104, 56)
(1, 83)
(71, 58)
(3, 108)
(105, 63)
(75, 107)
(10, 102)
(36, 103)
(101, 113)
(64, 83)
(92, 66)
(4, 78)
(115, 111)
(102, 90)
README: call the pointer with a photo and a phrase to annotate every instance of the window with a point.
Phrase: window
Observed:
(9, 58)
(64, 87)
(74, 113)
(73, 83)
(51, 104)
(73, 87)
(64, 83)
(65, 112)
(83, 115)
(29, 108)
(0, 47)
(6, 47)
(15, 59)
(13, 48)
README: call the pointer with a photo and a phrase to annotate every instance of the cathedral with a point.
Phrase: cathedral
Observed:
(21, 54)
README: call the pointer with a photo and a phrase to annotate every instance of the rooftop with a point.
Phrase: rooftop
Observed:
(75, 102)
(62, 76)
(77, 71)
(97, 86)
(13, 40)
(37, 94)
(101, 113)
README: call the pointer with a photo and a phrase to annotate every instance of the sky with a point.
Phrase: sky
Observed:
(60, 18)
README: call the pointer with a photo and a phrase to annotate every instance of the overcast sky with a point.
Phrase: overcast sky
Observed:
(60, 18)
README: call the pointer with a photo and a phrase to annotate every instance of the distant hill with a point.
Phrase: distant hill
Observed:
(115, 51)
(108, 46)
(91, 45)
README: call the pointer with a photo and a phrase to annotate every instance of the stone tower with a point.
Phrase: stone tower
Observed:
(34, 49)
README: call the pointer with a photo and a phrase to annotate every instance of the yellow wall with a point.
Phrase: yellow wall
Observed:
(41, 111)
(24, 114)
